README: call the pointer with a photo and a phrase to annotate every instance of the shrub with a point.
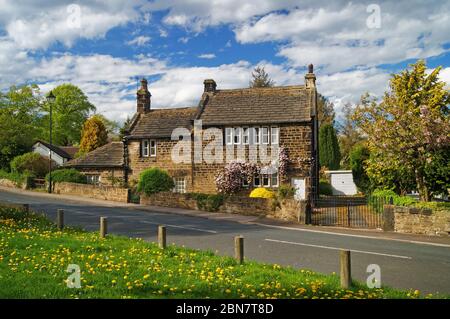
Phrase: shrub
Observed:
(15, 177)
(262, 192)
(325, 188)
(286, 191)
(208, 202)
(384, 195)
(70, 175)
(31, 163)
(154, 180)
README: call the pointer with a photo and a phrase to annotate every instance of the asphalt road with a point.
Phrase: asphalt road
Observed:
(403, 264)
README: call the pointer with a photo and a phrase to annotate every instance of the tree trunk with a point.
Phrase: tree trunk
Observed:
(424, 192)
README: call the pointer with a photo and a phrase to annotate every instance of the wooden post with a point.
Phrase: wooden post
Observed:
(26, 207)
(346, 276)
(162, 237)
(60, 219)
(103, 227)
(239, 249)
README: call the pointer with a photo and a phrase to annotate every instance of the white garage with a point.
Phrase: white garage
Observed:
(342, 182)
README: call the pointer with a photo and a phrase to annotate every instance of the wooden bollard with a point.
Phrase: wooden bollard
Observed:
(239, 249)
(26, 207)
(346, 275)
(103, 227)
(60, 219)
(162, 237)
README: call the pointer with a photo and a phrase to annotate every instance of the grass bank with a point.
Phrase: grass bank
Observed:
(34, 257)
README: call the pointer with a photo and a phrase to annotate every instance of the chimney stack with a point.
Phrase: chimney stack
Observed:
(310, 77)
(210, 85)
(143, 98)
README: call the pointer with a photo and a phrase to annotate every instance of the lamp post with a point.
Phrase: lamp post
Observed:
(50, 99)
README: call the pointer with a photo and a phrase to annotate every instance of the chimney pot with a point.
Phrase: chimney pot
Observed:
(311, 68)
(143, 97)
(210, 85)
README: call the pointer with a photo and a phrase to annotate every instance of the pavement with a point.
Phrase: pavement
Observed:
(406, 261)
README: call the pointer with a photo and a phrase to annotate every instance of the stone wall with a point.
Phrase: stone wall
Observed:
(111, 193)
(288, 209)
(200, 177)
(417, 221)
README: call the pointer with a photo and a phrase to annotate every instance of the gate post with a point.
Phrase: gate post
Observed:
(308, 211)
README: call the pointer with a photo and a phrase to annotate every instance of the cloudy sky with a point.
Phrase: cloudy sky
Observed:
(105, 46)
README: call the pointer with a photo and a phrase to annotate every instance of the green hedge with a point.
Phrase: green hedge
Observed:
(208, 202)
(154, 180)
(30, 163)
(69, 175)
(17, 178)
(325, 188)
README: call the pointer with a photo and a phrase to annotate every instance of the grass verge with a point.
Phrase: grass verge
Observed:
(34, 257)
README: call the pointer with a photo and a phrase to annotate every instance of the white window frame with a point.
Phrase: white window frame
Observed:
(229, 139)
(256, 135)
(237, 135)
(254, 180)
(90, 178)
(277, 179)
(245, 135)
(152, 148)
(267, 135)
(263, 176)
(245, 183)
(145, 148)
(274, 135)
(179, 185)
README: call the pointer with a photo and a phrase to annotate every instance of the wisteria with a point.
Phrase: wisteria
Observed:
(229, 180)
(283, 162)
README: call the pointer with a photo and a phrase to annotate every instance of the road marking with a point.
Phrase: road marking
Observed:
(183, 227)
(353, 235)
(337, 248)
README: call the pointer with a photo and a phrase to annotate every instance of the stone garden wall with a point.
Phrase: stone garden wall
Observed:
(111, 193)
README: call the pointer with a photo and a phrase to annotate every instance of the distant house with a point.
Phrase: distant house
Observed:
(342, 182)
(60, 154)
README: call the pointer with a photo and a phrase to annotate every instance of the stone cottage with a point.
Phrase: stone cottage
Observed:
(247, 119)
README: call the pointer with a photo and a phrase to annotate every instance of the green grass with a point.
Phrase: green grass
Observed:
(34, 257)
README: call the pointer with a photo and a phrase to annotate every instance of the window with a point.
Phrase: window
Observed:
(93, 179)
(266, 180)
(245, 182)
(245, 135)
(180, 185)
(256, 135)
(229, 136)
(153, 148)
(265, 135)
(237, 135)
(145, 148)
(256, 181)
(275, 132)
(274, 180)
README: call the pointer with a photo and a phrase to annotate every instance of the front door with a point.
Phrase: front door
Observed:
(300, 188)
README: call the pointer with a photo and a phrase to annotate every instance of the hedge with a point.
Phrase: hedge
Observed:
(154, 180)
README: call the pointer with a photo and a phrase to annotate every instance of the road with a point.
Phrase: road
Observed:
(403, 263)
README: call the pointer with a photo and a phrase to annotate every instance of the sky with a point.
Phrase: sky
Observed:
(106, 46)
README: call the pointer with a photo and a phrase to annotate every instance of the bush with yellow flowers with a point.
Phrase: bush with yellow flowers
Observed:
(262, 192)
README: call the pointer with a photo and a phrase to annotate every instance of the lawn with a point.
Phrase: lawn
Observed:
(34, 257)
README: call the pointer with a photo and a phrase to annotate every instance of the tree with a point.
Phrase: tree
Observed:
(31, 163)
(358, 156)
(329, 154)
(409, 128)
(325, 111)
(94, 135)
(124, 127)
(70, 110)
(260, 78)
(19, 115)
(112, 127)
(349, 135)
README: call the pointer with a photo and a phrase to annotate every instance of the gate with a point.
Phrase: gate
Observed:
(348, 211)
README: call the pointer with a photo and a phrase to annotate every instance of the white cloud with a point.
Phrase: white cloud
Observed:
(139, 41)
(184, 40)
(207, 56)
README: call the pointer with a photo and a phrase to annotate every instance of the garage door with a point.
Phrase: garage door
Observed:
(343, 184)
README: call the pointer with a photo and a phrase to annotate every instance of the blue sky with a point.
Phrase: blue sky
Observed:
(105, 46)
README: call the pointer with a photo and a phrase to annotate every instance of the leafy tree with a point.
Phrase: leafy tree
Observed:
(260, 78)
(70, 110)
(349, 135)
(94, 135)
(325, 111)
(329, 154)
(19, 115)
(358, 155)
(31, 163)
(124, 127)
(112, 127)
(409, 128)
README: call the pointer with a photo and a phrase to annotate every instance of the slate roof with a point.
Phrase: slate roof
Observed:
(284, 104)
(71, 150)
(161, 122)
(56, 149)
(109, 155)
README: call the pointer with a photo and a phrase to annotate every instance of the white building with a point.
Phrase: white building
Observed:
(59, 154)
(342, 182)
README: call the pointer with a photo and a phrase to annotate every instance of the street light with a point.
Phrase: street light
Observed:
(50, 99)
